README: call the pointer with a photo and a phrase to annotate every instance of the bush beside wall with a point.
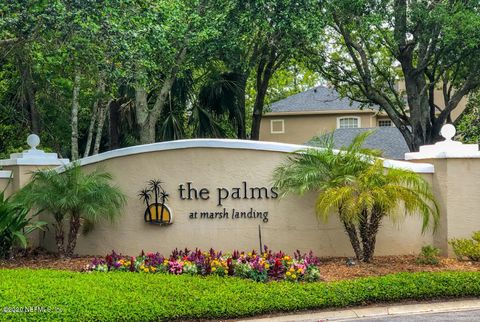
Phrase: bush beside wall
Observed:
(139, 297)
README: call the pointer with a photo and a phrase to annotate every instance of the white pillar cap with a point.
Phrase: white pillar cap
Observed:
(33, 156)
(445, 149)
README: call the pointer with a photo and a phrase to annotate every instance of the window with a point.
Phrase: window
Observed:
(277, 126)
(384, 123)
(350, 122)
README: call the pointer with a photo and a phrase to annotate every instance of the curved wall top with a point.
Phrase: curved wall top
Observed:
(232, 144)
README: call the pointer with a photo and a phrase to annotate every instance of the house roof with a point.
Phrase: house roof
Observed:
(319, 98)
(387, 139)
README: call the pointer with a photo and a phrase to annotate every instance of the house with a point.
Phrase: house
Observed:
(320, 110)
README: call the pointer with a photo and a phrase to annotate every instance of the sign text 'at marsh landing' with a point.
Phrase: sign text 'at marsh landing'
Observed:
(158, 212)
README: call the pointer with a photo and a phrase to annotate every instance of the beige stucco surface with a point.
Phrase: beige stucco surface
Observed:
(301, 128)
(292, 224)
(455, 185)
(5, 186)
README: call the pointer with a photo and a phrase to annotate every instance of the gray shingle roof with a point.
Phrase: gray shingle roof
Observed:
(387, 139)
(320, 98)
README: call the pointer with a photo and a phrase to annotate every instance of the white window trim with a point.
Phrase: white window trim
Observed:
(359, 120)
(277, 132)
(385, 120)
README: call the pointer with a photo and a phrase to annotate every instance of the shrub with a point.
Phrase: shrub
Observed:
(73, 296)
(74, 195)
(15, 225)
(467, 248)
(428, 255)
(258, 267)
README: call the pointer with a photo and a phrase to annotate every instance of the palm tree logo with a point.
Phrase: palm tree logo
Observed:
(155, 198)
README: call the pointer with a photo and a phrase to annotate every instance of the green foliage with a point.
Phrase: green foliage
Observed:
(354, 185)
(144, 297)
(15, 225)
(468, 128)
(428, 255)
(369, 46)
(467, 248)
(73, 194)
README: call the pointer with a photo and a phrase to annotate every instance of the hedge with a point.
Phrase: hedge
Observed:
(143, 297)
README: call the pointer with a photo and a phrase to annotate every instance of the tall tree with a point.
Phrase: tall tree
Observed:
(259, 38)
(371, 45)
(163, 42)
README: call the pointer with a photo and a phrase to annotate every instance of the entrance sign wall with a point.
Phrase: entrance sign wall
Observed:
(219, 192)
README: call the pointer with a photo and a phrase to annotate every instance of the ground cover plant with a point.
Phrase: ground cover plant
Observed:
(260, 267)
(429, 255)
(465, 248)
(144, 297)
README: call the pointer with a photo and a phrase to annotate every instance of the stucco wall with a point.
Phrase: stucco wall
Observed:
(301, 128)
(455, 185)
(5, 182)
(291, 221)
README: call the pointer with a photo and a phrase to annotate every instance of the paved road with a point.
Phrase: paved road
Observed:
(464, 316)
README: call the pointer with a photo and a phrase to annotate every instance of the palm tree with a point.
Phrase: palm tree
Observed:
(145, 196)
(353, 183)
(73, 195)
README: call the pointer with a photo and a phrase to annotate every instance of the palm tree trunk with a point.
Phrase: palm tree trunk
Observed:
(73, 234)
(59, 237)
(353, 236)
(370, 238)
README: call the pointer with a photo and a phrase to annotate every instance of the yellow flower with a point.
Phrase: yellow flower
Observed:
(287, 258)
(153, 268)
(288, 273)
(294, 276)
(214, 269)
(267, 266)
(292, 269)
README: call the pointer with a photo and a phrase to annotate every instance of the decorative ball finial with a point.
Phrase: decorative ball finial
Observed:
(448, 132)
(33, 141)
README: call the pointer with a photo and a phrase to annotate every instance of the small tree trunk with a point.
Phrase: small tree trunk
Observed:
(73, 234)
(74, 121)
(142, 114)
(352, 235)
(90, 129)
(265, 70)
(369, 225)
(241, 127)
(102, 113)
(59, 237)
(28, 89)
(114, 135)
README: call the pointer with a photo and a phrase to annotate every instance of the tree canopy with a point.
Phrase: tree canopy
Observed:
(90, 76)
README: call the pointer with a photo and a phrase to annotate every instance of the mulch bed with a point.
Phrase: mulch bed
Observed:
(331, 269)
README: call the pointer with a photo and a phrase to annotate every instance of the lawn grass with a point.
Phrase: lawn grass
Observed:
(144, 297)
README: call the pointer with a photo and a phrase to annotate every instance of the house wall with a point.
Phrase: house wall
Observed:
(299, 129)
(209, 164)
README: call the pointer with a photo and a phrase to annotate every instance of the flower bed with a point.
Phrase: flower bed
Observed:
(261, 267)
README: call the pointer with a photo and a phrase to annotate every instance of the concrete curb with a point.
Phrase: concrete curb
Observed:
(376, 311)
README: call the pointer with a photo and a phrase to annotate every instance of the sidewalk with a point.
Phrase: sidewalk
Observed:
(375, 311)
